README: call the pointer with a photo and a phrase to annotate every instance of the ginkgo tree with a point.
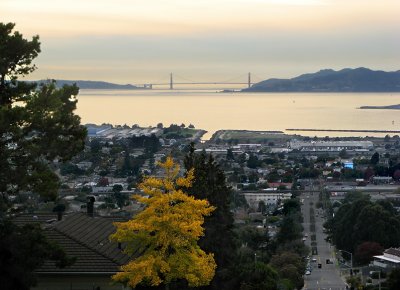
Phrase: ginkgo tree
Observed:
(162, 239)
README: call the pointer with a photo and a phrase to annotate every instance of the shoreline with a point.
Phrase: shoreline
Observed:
(345, 130)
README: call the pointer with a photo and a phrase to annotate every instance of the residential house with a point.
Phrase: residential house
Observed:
(389, 260)
(85, 237)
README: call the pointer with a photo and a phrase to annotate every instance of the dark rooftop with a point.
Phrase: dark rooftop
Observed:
(83, 237)
(393, 251)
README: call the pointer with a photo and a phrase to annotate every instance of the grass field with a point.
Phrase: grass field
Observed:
(243, 136)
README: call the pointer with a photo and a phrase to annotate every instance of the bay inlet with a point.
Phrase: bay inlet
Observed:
(213, 111)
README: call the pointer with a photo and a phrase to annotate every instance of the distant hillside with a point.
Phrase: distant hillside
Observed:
(95, 85)
(345, 80)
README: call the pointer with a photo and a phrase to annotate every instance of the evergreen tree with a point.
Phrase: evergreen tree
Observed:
(210, 183)
(37, 127)
(374, 158)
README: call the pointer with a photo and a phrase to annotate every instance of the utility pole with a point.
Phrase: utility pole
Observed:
(171, 82)
(351, 261)
(249, 80)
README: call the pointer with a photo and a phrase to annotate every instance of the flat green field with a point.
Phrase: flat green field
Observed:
(252, 136)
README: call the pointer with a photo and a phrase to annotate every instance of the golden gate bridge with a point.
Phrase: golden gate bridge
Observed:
(172, 83)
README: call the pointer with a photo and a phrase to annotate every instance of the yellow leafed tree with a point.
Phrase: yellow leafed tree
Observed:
(163, 237)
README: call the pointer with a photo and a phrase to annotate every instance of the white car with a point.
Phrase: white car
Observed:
(308, 272)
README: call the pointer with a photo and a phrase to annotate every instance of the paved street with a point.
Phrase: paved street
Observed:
(327, 277)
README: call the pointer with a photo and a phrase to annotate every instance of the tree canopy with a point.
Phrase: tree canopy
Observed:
(210, 183)
(163, 237)
(360, 220)
(16, 56)
(37, 125)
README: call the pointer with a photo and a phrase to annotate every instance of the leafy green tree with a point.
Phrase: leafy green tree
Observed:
(257, 276)
(289, 266)
(359, 220)
(388, 206)
(253, 177)
(341, 226)
(376, 224)
(69, 168)
(253, 161)
(95, 146)
(252, 237)
(296, 246)
(291, 206)
(150, 143)
(242, 158)
(354, 282)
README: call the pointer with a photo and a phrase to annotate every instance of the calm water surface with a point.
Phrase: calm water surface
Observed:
(212, 111)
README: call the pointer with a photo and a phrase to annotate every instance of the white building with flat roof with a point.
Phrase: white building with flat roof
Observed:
(269, 198)
(389, 260)
(330, 146)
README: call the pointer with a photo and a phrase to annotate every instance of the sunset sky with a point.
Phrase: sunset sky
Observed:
(137, 41)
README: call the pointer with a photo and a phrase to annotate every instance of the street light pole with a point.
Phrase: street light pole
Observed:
(379, 277)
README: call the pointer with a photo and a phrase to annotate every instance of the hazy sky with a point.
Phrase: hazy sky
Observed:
(136, 41)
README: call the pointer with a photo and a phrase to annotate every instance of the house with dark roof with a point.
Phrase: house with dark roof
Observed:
(85, 237)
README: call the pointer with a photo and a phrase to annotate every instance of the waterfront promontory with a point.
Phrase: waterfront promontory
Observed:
(328, 80)
(391, 107)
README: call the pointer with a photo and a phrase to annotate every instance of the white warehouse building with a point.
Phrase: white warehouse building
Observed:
(269, 198)
(333, 146)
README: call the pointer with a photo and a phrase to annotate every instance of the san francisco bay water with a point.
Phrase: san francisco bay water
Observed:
(211, 110)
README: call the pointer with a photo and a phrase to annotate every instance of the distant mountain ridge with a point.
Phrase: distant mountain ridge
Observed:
(95, 85)
(328, 80)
